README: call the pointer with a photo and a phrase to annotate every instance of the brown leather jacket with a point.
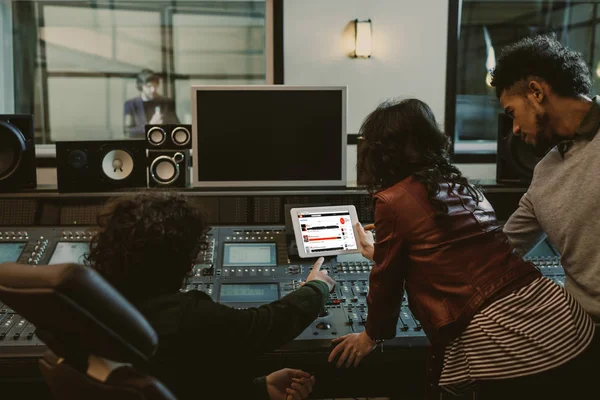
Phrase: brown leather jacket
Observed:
(450, 269)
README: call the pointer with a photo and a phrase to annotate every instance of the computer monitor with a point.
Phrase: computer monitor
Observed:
(269, 136)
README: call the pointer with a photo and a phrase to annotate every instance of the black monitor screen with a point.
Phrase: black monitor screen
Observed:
(270, 135)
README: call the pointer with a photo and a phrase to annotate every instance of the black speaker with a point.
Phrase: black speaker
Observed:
(100, 165)
(360, 176)
(169, 168)
(515, 159)
(17, 153)
(172, 137)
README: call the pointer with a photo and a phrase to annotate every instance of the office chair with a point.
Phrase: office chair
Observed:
(94, 335)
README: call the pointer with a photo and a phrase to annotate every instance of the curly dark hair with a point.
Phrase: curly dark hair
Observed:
(543, 57)
(402, 138)
(146, 244)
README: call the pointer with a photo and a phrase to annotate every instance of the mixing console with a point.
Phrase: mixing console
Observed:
(242, 267)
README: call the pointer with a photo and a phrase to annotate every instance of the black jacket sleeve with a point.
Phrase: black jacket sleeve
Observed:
(256, 330)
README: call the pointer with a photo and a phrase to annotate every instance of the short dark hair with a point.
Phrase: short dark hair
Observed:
(147, 243)
(544, 57)
(145, 76)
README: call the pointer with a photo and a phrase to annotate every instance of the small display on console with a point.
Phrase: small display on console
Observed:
(325, 231)
(248, 293)
(69, 252)
(10, 252)
(249, 254)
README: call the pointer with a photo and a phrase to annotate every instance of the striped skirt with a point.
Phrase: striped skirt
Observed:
(532, 330)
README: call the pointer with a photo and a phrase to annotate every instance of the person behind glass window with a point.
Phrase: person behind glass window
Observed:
(145, 247)
(149, 107)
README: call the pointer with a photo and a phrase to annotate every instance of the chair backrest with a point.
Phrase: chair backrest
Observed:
(93, 332)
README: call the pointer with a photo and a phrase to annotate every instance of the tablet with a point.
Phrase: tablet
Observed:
(325, 231)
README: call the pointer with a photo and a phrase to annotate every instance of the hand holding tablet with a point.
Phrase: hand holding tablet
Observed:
(325, 231)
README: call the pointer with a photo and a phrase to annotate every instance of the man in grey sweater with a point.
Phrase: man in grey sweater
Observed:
(544, 87)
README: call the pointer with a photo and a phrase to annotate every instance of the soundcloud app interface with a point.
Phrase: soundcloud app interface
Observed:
(327, 231)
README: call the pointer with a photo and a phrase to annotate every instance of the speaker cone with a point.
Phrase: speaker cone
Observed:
(180, 136)
(77, 159)
(117, 164)
(165, 169)
(12, 146)
(156, 136)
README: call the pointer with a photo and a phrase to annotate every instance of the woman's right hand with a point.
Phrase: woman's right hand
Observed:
(365, 240)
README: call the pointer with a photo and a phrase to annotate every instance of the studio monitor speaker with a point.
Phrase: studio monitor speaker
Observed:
(360, 176)
(169, 168)
(515, 159)
(17, 153)
(100, 165)
(171, 136)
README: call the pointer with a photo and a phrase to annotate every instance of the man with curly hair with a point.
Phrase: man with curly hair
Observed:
(146, 247)
(544, 87)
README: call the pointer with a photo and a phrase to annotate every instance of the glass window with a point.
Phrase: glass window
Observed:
(487, 26)
(84, 58)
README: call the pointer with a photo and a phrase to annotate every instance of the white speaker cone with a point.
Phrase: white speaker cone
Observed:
(156, 136)
(165, 169)
(180, 136)
(117, 164)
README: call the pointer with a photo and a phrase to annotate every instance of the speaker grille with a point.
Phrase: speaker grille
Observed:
(80, 214)
(17, 212)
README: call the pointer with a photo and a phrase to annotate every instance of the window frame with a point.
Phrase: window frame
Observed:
(454, 26)
(46, 153)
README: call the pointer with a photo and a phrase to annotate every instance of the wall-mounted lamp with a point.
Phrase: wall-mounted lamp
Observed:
(362, 39)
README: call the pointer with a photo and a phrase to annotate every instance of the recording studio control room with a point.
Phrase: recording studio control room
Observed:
(299, 199)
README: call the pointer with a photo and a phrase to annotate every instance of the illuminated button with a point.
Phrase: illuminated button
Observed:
(336, 301)
(228, 238)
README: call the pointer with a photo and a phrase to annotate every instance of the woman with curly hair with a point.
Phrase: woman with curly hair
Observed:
(488, 314)
(146, 247)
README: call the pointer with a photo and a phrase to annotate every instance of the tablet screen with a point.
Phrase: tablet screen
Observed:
(324, 231)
